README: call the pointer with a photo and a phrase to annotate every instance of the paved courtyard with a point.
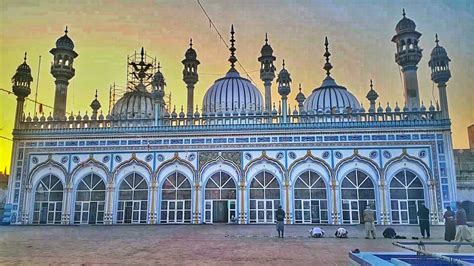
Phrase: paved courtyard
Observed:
(190, 244)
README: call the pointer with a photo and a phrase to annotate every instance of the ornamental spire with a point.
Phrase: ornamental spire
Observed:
(66, 31)
(327, 54)
(232, 58)
(403, 13)
(436, 39)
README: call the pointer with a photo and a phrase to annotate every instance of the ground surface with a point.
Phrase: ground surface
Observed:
(190, 244)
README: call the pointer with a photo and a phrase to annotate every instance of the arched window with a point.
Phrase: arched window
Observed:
(264, 198)
(176, 199)
(48, 201)
(310, 199)
(406, 195)
(357, 190)
(90, 200)
(133, 200)
(220, 195)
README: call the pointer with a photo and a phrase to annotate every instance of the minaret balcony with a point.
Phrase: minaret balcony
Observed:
(62, 71)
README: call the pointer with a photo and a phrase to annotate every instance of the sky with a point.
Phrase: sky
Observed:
(359, 32)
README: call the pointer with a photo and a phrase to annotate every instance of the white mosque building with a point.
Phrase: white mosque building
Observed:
(238, 156)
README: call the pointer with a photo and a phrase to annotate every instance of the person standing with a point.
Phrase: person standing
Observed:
(369, 221)
(449, 225)
(280, 224)
(424, 220)
(462, 231)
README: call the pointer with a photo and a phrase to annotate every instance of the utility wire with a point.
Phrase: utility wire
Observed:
(211, 23)
(28, 99)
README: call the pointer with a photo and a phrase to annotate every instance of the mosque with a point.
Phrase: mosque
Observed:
(237, 156)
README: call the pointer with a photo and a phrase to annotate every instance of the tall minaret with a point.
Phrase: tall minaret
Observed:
(21, 88)
(158, 84)
(440, 74)
(267, 72)
(407, 57)
(62, 70)
(190, 75)
(284, 89)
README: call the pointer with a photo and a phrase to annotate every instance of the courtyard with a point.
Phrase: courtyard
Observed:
(192, 244)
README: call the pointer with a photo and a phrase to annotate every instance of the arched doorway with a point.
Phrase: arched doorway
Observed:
(264, 198)
(220, 199)
(176, 199)
(90, 200)
(132, 200)
(310, 198)
(406, 195)
(48, 200)
(357, 191)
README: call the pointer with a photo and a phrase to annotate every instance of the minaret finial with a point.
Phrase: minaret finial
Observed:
(299, 87)
(159, 66)
(404, 14)
(142, 53)
(371, 85)
(283, 64)
(436, 39)
(266, 38)
(327, 54)
(232, 58)
(96, 94)
(66, 31)
(191, 42)
(24, 58)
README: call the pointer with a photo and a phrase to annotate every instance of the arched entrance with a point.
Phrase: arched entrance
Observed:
(132, 200)
(90, 200)
(220, 199)
(176, 199)
(264, 198)
(310, 198)
(406, 195)
(357, 191)
(48, 201)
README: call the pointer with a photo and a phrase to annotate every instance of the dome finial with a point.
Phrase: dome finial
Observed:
(299, 87)
(403, 13)
(66, 31)
(24, 58)
(96, 94)
(266, 38)
(190, 42)
(327, 54)
(232, 58)
(371, 85)
(283, 64)
(436, 39)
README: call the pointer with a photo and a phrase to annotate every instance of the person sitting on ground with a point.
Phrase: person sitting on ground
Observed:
(316, 232)
(389, 232)
(341, 233)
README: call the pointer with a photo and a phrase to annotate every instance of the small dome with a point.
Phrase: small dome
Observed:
(232, 92)
(330, 95)
(405, 25)
(267, 50)
(95, 104)
(190, 53)
(300, 96)
(64, 42)
(136, 104)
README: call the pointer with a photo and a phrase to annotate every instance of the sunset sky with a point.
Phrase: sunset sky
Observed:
(359, 32)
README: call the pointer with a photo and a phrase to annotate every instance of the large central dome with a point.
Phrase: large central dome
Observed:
(232, 93)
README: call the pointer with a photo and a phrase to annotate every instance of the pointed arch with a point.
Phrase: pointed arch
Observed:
(89, 166)
(131, 165)
(47, 167)
(219, 164)
(357, 162)
(409, 162)
(309, 162)
(268, 164)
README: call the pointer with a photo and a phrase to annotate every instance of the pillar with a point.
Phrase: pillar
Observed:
(26, 205)
(434, 203)
(287, 201)
(109, 208)
(197, 213)
(67, 205)
(383, 200)
(153, 212)
(242, 214)
(334, 212)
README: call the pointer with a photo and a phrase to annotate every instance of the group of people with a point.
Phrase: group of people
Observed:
(455, 224)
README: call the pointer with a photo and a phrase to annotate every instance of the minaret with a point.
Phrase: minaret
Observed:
(284, 89)
(440, 74)
(21, 88)
(95, 105)
(300, 98)
(62, 70)
(267, 72)
(158, 84)
(372, 97)
(407, 57)
(190, 75)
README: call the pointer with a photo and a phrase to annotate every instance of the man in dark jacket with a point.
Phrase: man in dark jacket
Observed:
(280, 217)
(424, 219)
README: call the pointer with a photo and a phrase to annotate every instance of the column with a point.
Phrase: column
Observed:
(334, 212)
(287, 201)
(109, 213)
(434, 203)
(242, 215)
(383, 207)
(197, 213)
(26, 205)
(153, 213)
(67, 205)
